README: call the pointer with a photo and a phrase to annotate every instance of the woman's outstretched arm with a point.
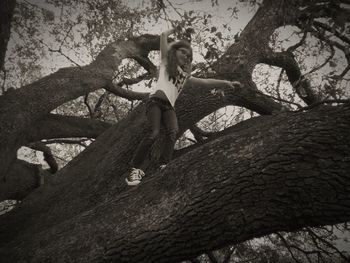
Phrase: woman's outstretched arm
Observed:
(164, 42)
(212, 83)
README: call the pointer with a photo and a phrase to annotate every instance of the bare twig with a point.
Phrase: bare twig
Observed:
(279, 84)
(301, 42)
(324, 63)
(326, 242)
(48, 156)
(212, 257)
(68, 141)
(60, 52)
(175, 9)
(341, 75)
(67, 33)
(279, 99)
(322, 102)
(229, 254)
(284, 241)
(332, 30)
(99, 104)
(86, 102)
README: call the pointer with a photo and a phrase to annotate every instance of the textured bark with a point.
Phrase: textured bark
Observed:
(59, 126)
(22, 180)
(279, 174)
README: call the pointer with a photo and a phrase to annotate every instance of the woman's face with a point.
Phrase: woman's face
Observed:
(183, 56)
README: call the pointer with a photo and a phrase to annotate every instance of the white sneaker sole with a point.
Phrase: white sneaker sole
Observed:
(132, 183)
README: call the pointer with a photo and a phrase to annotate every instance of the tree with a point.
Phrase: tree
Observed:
(6, 8)
(281, 171)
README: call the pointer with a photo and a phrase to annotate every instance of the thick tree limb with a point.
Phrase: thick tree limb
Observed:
(48, 156)
(287, 61)
(22, 180)
(58, 126)
(280, 174)
(49, 127)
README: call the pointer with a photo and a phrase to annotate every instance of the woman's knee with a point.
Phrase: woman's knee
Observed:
(153, 135)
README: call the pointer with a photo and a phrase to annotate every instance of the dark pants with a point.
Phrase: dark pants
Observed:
(158, 112)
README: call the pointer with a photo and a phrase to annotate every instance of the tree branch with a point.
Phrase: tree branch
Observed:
(299, 44)
(287, 61)
(228, 255)
(146, 63)
(315, 236)
(332, 43)
(332, 30)
(322, 102)
(324, 63)
(59, 126)
(86, 102)
(280, 99)
(288, 247)
(80, 142)
(22, 179)
(212, 257)
(48, 156)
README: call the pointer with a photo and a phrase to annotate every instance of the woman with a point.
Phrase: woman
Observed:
(174, 74)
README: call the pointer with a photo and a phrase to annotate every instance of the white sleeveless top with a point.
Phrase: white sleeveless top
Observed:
(170, 86)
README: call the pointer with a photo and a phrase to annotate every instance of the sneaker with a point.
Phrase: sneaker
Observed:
(135, 176)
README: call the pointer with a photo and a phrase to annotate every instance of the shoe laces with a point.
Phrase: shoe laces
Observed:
(136, 174)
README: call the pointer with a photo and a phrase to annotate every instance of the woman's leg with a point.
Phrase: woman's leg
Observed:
(170, 122)
(154, 121)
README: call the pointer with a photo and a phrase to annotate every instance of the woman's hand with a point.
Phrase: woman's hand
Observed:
(235, 84)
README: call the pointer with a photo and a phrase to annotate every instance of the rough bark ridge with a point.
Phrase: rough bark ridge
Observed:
(293, 172)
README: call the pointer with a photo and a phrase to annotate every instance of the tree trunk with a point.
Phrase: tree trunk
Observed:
(279, 174)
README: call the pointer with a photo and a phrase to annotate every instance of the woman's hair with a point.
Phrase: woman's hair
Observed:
(172, 58)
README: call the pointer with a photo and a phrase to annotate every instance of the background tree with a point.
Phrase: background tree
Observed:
(285, 170)
(6, 8)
